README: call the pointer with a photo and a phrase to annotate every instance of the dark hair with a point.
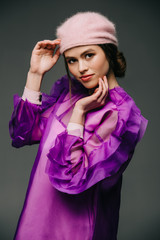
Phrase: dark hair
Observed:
(69, 76)
(116, 59)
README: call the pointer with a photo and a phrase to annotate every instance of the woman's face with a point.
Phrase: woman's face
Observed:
(87, 64)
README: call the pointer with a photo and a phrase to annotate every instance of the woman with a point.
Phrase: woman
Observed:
(87, 128)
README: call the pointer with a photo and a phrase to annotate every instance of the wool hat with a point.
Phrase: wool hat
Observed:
(86, 28)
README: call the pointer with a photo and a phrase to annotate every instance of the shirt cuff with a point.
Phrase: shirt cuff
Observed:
(32, 96)
(75, 129)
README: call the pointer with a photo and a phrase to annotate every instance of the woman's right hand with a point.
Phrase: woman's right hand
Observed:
(44, 56)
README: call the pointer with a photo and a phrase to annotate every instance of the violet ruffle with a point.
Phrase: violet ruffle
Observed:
(27, 121)
(108, 161)
(23, 121)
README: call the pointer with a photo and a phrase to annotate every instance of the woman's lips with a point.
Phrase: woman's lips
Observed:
(86, 77)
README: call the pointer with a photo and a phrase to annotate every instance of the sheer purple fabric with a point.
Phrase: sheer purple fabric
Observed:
(75, 184)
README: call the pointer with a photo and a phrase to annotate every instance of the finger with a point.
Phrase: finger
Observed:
(103, 92)
(52, 42)
(55, 41)
(57, 54)
(105, 86)
(106, 83)
(49, 47)
(49, 44)
(98, 92)
(95, 90)
(53, 46)
(39, 45)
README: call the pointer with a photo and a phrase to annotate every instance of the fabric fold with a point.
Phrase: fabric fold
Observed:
(75, 180)
(24, 119)
(29, 119)
(76, 164)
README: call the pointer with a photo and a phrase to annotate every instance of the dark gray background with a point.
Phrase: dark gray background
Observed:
(22, 24)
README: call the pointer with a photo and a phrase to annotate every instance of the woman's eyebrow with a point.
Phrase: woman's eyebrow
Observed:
(87, 51)
(82, 54)
(69, 57)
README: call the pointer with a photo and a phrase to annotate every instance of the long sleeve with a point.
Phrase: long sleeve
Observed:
(29, 119)
(110, 136)
(75, 129)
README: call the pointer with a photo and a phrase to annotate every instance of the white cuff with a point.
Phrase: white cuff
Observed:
(75, 129)
(32, 96)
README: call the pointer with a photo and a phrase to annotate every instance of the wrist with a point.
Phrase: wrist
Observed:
(34, 81)
(78, 116)
(79, 108)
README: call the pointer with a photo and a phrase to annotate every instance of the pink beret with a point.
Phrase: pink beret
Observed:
(85, 28)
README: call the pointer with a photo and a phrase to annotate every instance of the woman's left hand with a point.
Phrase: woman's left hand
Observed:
(97, 99)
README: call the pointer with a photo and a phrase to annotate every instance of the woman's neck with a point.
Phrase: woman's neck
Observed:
(112, 81)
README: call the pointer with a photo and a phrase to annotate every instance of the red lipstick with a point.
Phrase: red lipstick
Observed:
(86, 77)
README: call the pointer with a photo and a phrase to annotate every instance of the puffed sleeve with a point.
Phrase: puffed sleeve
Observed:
(29, 119)
(110, 136)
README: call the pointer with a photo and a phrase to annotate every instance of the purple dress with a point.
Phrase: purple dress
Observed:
(75, 184)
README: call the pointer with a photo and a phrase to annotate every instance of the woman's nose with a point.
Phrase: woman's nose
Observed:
(82, 66)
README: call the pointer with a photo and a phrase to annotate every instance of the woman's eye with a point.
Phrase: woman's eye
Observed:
(70, 61)
(89, 55)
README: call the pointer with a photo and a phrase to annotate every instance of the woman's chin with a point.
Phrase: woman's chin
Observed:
(90, 85)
